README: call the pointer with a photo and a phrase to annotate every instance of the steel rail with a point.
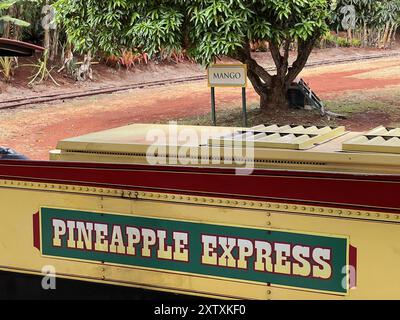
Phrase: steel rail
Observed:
(19, 102)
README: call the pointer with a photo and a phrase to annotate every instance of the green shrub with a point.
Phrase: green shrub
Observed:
(355, 43)
(342, 42)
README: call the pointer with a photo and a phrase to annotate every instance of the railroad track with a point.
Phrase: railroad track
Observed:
(32, 100)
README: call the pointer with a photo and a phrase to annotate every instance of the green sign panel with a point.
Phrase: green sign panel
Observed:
(289, 259)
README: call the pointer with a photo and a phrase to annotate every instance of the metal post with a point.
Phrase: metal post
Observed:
(214, 116)
(244, 102)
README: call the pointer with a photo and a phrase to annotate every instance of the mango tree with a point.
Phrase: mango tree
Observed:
(207, 29)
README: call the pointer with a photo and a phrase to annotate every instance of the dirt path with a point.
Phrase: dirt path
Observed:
(36, 130)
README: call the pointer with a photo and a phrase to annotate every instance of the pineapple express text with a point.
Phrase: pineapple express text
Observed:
(220, 251)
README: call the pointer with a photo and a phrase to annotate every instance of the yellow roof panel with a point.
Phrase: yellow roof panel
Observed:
(136, 138)
(378, 140)
(277, 147)
(294, 137)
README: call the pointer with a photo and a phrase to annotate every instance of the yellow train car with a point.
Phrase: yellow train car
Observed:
(270, 212)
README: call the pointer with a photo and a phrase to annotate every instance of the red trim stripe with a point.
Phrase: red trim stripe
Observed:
(354, 190)
(36, 231)
(353, 264)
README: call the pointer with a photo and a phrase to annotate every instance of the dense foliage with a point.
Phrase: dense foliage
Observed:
(375, 22)
(207, 29)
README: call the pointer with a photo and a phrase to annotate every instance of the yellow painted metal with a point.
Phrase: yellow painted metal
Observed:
(380, 140)
(130, 144)
(282, 137)
(135, 139)
(376, 241)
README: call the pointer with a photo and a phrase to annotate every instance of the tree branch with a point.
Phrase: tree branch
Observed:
(285, 60)
(276, 55)
(244, 56)
(259, 87)
(304, 50)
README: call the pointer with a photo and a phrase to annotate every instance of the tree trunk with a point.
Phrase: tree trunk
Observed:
(54, 45)
(365, 34)
(9, 28)
(272, 89)
(389, 39)
(378, 39)
(85, 71)
(275, 96)
(18, 29)
(349, 35)
(385, 36)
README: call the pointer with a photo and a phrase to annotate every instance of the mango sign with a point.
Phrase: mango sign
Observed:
(227, 75)
(273, 257)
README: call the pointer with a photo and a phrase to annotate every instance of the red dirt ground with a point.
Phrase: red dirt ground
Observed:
(36, 130)
(335, 82)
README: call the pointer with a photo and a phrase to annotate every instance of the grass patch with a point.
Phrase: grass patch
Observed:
(350, 105)
(233, 117)
(355, 105)
(384, 100)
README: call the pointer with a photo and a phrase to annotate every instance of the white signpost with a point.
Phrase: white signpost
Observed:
(228, 76)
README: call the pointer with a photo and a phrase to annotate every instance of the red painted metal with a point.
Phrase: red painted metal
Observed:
(36, 230)
(317, 188)
(15, 48)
